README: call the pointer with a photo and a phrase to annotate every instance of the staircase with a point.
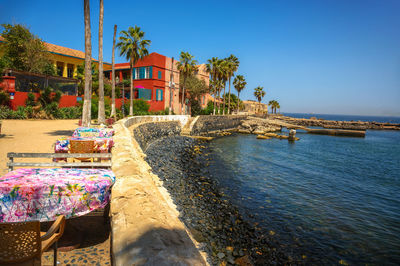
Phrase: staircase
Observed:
(188, 127)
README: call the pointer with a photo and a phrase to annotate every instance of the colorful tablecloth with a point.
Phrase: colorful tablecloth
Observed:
(101, 144)
(93, 132)
(42, 194)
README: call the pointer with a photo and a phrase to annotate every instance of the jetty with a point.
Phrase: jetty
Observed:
(331, 132)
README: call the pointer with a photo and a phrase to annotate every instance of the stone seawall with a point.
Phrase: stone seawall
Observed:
(145, 226)
(148, 132)
(208, 124)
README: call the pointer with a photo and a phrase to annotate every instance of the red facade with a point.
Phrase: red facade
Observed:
(149, 75)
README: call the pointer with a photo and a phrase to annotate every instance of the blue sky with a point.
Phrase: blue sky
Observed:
(320, 56)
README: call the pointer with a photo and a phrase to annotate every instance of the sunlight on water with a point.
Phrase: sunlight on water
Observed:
(334, 199)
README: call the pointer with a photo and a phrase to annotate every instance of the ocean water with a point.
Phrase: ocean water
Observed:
(325, 199)
(381, 119)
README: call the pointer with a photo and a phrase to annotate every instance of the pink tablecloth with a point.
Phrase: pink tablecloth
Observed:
(42, 194)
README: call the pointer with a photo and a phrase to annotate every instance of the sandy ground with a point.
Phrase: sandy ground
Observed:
(31, 136)
(88, 235)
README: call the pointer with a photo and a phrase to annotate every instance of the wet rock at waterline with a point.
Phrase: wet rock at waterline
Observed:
(181, 162)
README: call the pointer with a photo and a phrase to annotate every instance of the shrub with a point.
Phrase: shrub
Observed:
(46, 97)
(73, 112)
(30, 101)
(195, 108)
(4, 99)
(7, 113)
(52, 110)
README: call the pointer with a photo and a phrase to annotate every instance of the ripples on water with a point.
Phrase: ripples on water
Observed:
(331, 199)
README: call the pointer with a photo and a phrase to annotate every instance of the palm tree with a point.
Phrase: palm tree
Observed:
(259, 93)
(232, 69)
(186, 66)
(224, 75)
(101, 112)
(132, 45)
(212, 69)
(88, 66)
(272, 105)
(239, 83)
(113, 111)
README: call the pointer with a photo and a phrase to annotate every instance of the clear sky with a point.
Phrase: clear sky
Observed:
(320, 56)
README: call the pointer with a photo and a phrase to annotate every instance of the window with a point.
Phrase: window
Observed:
(136, 76)
(147, 72)
(204, 99)
(159, 95)
(70, 71)
(159, 75)
(144, 94)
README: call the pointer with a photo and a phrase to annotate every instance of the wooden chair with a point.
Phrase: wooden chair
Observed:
(24, 244)
(82, 146)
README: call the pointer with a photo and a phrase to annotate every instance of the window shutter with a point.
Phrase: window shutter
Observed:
(134, 73)
(159, 75)
(151, 72)
(161, 92)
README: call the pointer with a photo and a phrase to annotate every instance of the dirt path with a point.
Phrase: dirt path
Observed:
(31, 136)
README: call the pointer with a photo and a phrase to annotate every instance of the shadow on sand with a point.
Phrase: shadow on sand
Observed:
(60, 133)
(160, 246)
(81, 232)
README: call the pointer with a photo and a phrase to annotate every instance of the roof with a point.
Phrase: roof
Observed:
(60, 50)
(56, 49)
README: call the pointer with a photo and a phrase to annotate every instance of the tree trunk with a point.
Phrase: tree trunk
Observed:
(229, 97)
(171, 92)
(101, 112)
(223, 111)
(88, 66)
(215, 97)
(183, 96)
(131, 96)
(238, 104)
(219, 102)
(113, 111)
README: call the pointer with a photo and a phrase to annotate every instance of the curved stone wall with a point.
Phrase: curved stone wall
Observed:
(146, 133)
(145, 226)
(207, 124)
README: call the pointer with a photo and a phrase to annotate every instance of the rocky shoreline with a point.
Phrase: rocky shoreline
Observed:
(331, 124)
(181, 163)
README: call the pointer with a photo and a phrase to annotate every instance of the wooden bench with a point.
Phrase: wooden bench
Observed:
(11, 164)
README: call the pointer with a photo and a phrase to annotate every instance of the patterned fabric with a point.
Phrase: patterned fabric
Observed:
(42, 194)
(101, 144)
(93, 132)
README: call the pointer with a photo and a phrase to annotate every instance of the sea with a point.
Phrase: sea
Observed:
(327, 200)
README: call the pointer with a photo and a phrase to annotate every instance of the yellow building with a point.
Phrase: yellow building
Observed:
(252, 107)
(66, 60)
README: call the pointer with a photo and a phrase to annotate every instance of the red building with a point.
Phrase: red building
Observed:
(151, 80)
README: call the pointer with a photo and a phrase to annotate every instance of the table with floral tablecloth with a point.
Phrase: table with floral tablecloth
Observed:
(42, 194)
(101, 144)
(93, 132)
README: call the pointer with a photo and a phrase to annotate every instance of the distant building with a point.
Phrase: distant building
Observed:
(151, 80)
(253, 107)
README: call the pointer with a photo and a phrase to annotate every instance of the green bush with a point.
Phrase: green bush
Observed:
(30, 101)
(52, 110)
(195, 108)
(4, 98)
(7, 113)
(47, 98)
(73, 112)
